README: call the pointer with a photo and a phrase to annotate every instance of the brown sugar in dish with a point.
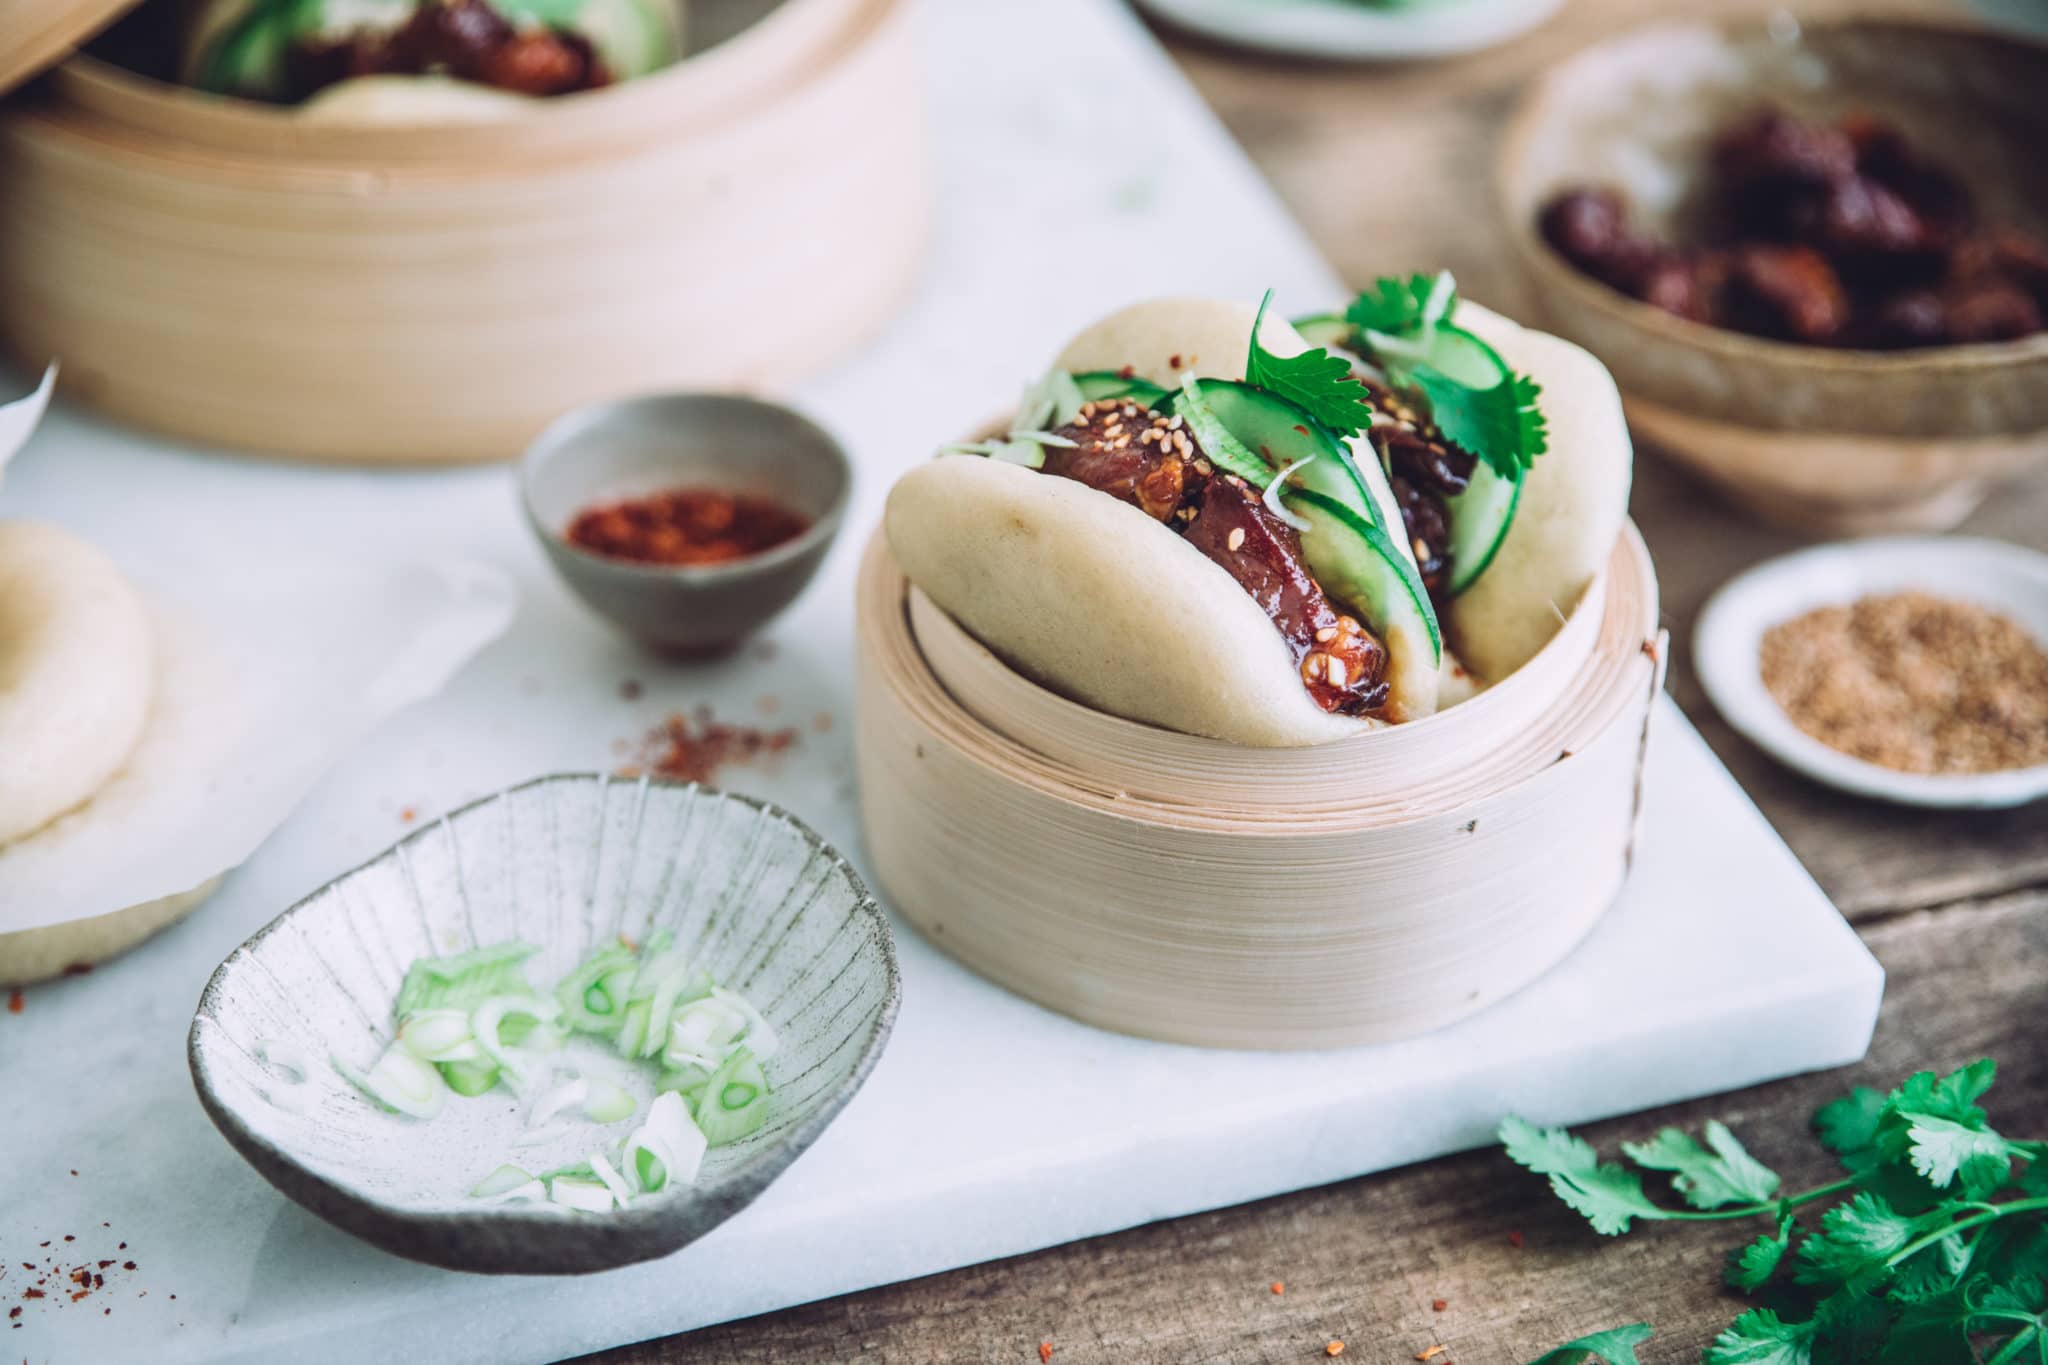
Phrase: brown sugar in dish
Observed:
(1913, 682)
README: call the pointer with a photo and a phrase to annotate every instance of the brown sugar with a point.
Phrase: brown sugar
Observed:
(1913, 682)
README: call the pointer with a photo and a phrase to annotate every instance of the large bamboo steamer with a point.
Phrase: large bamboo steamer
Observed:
(229, 273)
(1185, 889)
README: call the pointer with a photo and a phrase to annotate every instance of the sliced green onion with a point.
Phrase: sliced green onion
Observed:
(590, 1196)
(633, 1027)
(760, 1036)
(589, 996)
(471, 1077)
(607, 1102)
(399, 1081)
(506, 1180)
(735, 1100)
(1053, 400)
(613, 1181)
(704, 1033)
(684, 1080)
(464, 980)
(503, 1020)
(668, 1148)
(1279, 508)
(438, 1035)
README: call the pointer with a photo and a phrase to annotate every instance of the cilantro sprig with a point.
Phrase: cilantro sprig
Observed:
(1935, 1253)
(1315, 381)
(1397, 324)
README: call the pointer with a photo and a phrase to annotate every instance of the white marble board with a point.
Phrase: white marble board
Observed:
(1075, 170)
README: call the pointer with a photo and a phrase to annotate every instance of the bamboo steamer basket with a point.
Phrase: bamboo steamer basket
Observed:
(1199, 892)
(227, 272)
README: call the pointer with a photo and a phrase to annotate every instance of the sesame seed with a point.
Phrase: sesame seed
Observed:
(1120, 443)
(1113, 429)
(1176, 423)
(1421, 549)
(1204, 468)
(1087, 409)
(1326, 634)
(1236, 537)
(1336, 670)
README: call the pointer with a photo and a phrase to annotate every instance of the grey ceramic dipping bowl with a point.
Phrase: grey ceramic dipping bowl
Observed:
(636, 446)
(566, 863)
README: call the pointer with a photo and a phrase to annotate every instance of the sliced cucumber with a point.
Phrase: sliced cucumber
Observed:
(1098, 385)
(1479, 517)
(1465, 358)
(1327, 330)
(1282, 434)
(1358, 565)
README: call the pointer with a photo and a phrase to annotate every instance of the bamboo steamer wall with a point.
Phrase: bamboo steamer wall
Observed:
(1184, 889)
(228, 273)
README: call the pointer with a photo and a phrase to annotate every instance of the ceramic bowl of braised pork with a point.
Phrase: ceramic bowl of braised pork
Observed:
(1814, 256)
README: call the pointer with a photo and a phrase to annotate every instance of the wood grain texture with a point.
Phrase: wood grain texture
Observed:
(1952, 904)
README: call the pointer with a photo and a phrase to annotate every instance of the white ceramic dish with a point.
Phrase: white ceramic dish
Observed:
(567, 862)
(1350, 30)
(2004, 578)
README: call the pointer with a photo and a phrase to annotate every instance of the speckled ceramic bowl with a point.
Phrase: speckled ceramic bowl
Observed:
(568, 863)
(1813, 438)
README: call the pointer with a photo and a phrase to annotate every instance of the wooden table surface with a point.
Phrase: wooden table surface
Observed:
(1386, 170)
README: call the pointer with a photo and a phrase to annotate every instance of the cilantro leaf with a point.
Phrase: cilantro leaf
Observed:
(1728, 1174)
(1760, 1337)
(1501, 425)
(1315, 381)
(1855, 1242)
(1608, 1195)
(1944, 1150)
(1750, 1268)
(1931, 1330)
(1848, 1126)
(1616, 1346)
(1392, 305)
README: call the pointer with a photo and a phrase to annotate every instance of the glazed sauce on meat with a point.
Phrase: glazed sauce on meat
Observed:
(1155, 464)
(466, 39)
(1424, 468)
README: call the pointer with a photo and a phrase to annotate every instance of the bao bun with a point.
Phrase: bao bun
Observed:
(1095, 599)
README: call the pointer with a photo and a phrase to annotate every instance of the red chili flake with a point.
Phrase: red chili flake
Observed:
(1300, 428)
(1439, 1305)
(694, 748)
(15, 1311)
(67, 1237)
(1173, 361)
(408, 815)
(122, 1247)
(1130, 371)
(1514, 1239)
(1044, 1351)
(16, 1002)
(1335, 1348)
(1279, 1288)
(32, 1294)
(1432, 1353)
(79, 1294)
(631, 690)
(105, 1264)
(685, 526)
(127, 1265)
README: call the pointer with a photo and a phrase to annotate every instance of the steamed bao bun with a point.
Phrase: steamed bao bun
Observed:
(76, 674)
(1094, 598)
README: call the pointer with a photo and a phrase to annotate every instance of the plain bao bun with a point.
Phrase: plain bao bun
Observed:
(1574, 500)
(1100, 602)
(77, 669)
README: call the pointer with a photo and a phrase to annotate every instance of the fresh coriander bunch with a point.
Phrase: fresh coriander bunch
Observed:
(1934, 1250)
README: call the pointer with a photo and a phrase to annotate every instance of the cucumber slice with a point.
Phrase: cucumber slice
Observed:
(1358, 565)
(1479, 517)
(1282, 434)
(1098, 385)
(735, 1100)
(1327, 330)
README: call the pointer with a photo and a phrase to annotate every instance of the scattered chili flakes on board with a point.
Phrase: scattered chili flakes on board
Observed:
(1044, 1351)
(695, 747)
(1335, 1348)
(1279, 1288)
(1439, 1305)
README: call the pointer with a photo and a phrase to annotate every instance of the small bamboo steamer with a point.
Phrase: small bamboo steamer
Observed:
(230, 273)
(1198, 892)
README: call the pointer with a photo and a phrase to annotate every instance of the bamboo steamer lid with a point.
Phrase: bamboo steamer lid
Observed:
(36, 34)
(1199, 892)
